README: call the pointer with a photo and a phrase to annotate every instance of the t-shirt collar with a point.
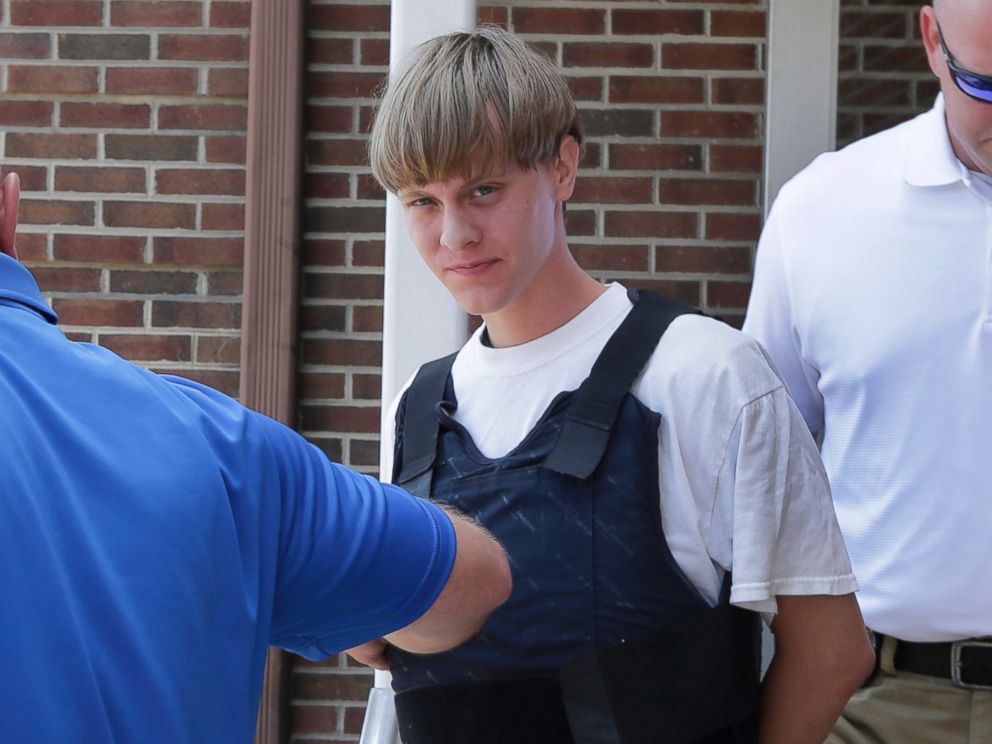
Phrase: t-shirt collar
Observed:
(18, 287)
(930, 158)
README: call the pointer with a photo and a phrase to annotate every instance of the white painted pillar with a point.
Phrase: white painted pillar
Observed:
(420, 319)
(801, 110)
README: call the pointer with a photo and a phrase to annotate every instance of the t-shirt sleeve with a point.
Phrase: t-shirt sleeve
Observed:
(774, 523)
(357, 558)
(771, 321)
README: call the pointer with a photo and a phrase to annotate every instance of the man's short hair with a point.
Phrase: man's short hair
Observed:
(466, 101)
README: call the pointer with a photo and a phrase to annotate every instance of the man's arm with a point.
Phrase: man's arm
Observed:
(479, 582)
(822, 655)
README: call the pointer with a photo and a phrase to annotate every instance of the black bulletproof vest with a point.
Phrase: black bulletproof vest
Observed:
(596, 592)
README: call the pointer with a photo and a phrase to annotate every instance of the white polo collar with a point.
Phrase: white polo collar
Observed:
(929, 158)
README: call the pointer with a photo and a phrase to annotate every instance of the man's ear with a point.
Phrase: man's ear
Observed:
(931, 40)
(566, 167)
(10, 198)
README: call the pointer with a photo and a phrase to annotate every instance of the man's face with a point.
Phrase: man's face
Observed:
(488, 237)
(967, 30)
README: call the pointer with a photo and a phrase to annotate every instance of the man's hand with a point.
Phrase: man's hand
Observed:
(371, 654)
(10, 198)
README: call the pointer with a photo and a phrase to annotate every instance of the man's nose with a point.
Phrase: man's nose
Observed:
(459, 229)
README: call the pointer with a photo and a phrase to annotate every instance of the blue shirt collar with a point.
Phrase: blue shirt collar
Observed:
(18, 287)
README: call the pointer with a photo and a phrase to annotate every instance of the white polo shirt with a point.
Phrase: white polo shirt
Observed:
(873, 295)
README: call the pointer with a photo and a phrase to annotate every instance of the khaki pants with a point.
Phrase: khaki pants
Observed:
(903, 708)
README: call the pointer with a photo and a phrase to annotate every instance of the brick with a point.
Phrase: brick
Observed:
(374, 52)
(655, 157)
(186, 314)
(218, 349)
(225, 283)
(618, 122)
(104, 46)
(345, 219)
(611, 190)
(204, 116)
(580, 222)
(144, 348)
(651, 224)
(736, 159)
(100, 179)
(327, 186)
(211, 48)
(105, 115)
(32, 246)
(343, 286)
(333, 449)
(875, 93)
(150, 147)
(227, 149)
(703, 259)
(859, 24)
(57, 212)
(739, 91)
(337, 152)
(653, 89)
(491, 14)
(592, 155)
(366, 387)
(329, 119)
(225, 14)
(228, 182)
(585, 88)
(684, 56)
(199, 251)
(606, 257)
(226, 381)
(86, 312)
(727, 294)
(149, 214)
(573, 21)
(706, 191)
(323, 252)
(25, 46)
(847, 57)
(228, 82)
(160, 81)
(361, 453)
(332, 51)
(33, 177)
(153, 282)
(733, 226)
(56, 13)
(327, 386)
(26, 113)
(905, 59)
(222, 216)
(368, 187)
(608, 54)
(52, 79)
(749, 23)
(105, 249)
(310, 719)
(363, 18)
(364, 419)
(67, 279)
(656, 22)
(366, 319)
(716, 124)
(342, 351)
(343, 84)
(323, 318)
(159, 14)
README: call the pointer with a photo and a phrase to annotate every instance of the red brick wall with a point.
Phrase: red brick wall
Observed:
(883, 77)
(126, 120)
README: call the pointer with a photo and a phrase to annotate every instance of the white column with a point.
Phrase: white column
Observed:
(420, 319)
(801, 111)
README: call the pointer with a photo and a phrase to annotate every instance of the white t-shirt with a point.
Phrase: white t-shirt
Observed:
(873, 296)
(741, 483)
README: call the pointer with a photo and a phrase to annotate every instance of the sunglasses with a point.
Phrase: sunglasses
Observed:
(970, 83)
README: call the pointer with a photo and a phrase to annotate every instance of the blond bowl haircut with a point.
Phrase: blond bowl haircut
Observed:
(467, 101)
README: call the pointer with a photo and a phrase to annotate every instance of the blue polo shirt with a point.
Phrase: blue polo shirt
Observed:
(156, 536)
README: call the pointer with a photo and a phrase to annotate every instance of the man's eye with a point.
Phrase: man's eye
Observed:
(422, 202)
(483, 190)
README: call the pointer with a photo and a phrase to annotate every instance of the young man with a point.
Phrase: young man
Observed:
(677, 484)
(873, 295)
(156, 537)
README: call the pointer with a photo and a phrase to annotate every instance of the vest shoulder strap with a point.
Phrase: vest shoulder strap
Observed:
(421, 425)
(595, 405)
